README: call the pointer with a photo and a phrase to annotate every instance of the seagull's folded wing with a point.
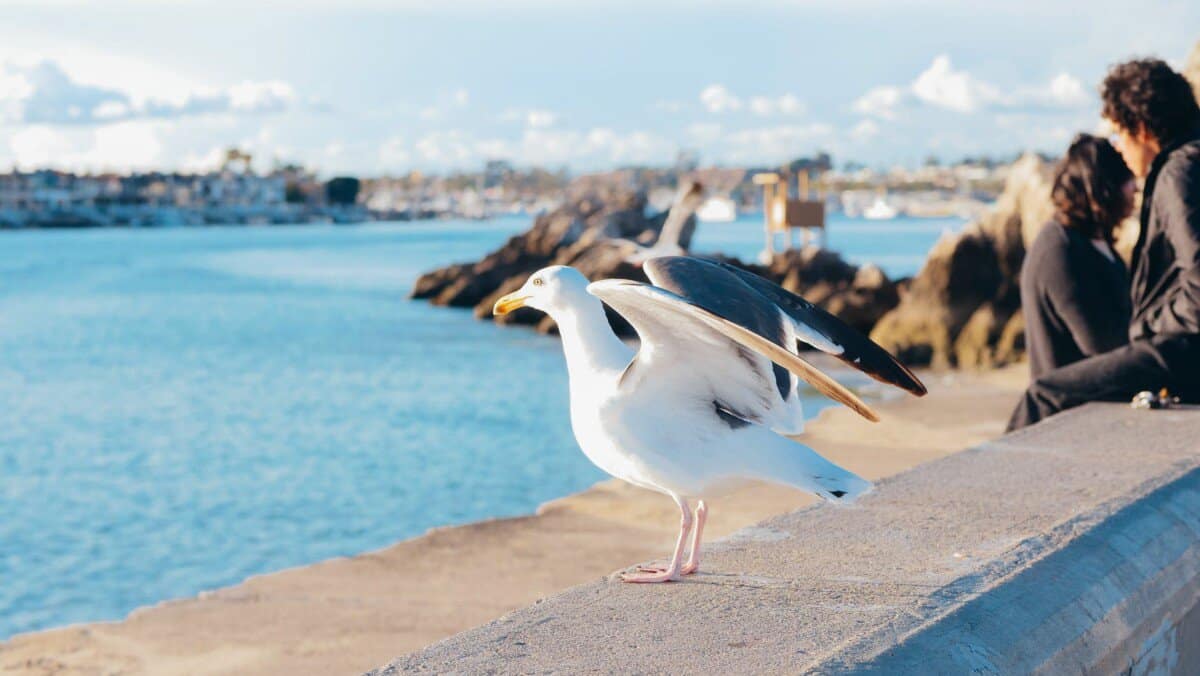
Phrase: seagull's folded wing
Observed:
(707, 284)
(695, 339)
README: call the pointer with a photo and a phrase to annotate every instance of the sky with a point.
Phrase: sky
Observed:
(371, 87)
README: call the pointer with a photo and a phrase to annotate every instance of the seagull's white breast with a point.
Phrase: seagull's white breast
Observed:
(597, 413)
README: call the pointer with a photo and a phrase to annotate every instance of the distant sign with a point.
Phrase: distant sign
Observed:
(805, 214)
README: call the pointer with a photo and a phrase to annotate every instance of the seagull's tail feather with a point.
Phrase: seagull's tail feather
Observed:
(842, 489)
(797, 465)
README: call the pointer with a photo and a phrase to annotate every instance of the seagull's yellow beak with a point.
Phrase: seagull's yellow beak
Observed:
(508, 303)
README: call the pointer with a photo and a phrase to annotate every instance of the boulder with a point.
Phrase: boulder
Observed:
(960, 305)
(1191, 69)
(601, 230)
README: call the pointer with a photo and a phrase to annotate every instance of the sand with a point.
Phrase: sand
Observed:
(349, 615)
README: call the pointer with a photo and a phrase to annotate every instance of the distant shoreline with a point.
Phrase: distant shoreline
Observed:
(340, 219)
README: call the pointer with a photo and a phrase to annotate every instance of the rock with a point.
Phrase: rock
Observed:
(858, 296)
(600, 228)
(959, 306)
(583, 220)
(1191, 69)
(431, 284)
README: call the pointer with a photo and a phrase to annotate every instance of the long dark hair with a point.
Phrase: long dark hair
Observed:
(1089, 187)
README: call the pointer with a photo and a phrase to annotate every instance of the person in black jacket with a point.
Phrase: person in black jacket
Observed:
(1074, 287)
(1157, 120)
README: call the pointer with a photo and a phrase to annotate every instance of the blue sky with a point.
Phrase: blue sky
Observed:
(373, 87)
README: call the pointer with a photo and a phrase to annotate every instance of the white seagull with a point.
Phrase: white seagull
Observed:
(704, 403)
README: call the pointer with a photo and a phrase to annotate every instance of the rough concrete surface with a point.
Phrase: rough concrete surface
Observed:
(1072, 546)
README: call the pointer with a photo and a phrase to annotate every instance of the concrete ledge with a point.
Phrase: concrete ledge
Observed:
(1073, 546)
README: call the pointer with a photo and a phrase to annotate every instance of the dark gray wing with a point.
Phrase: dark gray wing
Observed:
(691, 350)
(741, 296)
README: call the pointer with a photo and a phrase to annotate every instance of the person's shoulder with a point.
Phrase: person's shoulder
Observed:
(1049, 254)
(1183, 161)
(1053, 239)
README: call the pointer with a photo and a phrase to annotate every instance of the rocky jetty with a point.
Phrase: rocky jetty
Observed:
(602, 230)
(963, 307)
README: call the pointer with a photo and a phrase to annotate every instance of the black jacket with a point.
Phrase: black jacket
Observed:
(1075, 299)
(1165, 281)
(1166, 258)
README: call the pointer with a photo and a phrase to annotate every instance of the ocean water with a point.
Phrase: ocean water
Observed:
(182, 408)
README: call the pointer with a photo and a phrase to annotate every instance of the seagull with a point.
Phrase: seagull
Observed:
(707, 400)
(688, 198)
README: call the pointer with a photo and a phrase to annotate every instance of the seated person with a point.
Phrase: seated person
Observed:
(1157, 121)
(1074, 288)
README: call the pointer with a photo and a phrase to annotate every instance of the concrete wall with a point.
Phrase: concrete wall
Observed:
(1069, 547)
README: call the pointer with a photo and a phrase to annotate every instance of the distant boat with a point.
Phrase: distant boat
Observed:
(880, 211)
(717, 210)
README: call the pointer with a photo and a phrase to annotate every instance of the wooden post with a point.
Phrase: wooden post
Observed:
(770, 183)
(802, 188)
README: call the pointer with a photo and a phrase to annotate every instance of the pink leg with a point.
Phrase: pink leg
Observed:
(693, 562)
(671, 572)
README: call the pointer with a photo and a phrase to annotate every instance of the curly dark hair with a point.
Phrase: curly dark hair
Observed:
(1148, 94)
(1089, 187)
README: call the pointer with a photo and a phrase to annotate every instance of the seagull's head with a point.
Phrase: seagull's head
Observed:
(549, 289)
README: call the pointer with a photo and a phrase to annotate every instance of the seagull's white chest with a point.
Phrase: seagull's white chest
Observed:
(632, 436)
(596, 414)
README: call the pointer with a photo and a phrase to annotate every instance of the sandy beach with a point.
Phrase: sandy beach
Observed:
(348, 615)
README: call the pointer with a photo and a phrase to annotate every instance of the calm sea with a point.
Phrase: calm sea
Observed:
(182, 408)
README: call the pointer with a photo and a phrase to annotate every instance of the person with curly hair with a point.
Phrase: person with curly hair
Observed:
(1156, 118)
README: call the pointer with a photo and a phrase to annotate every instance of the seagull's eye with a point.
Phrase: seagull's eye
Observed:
(537, 281)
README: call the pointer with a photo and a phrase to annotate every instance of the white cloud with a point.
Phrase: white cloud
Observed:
(864, 130)
(771, 144)
(942, 86)
(208, 161)
(259, 97)
(539, 119)
(394, 152)
(1063, 91)
(879, 102)
(704, 132)
(111, 110)
(542, 146)
(448, 148)
(530, 117)
(43, 92)
(783, 105)
(138, 79)
(667, 106)
(124, 145)
(38, 146)
(717, 99)
(447, 103)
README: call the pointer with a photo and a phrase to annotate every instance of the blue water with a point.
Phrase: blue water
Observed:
(898, 246)
(182, 408)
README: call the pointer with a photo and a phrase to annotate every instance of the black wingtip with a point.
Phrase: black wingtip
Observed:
(837, 494)
(873, 360)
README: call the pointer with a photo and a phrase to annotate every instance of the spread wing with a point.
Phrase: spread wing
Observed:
(688, 350)
(702, 283)
(712, 329)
